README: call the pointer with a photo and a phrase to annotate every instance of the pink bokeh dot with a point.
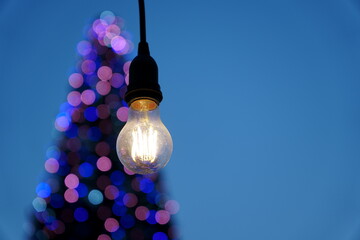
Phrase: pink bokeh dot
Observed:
(99, 26)
(112, 31)
(172, 206)
(142, 213)
(74, 98)
(111, 192)
(88, 97)
(52, 165)
(104, 73)
(103, 88)
(103, 237)
(126, 49)
(71, 195)
(88, 67)
(103, 164)
(71, 181)
(62, 123)
(118, 43)
(76, 80)
(122, 114)
(111, 225)
(130, 200)
(162, 216)
(117, 80)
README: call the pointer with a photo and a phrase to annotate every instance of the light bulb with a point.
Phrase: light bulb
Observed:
(144, 145)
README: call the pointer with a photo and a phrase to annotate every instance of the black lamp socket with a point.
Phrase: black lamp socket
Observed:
(143, 77)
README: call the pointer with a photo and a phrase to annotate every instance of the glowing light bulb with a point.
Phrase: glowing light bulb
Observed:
(144, 145)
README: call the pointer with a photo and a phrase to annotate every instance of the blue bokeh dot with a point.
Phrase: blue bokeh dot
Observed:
(91, 114)
(117, 177)
(72, 131)
(151, 219)
(119, 210)
(146, 185)
(127, 221)
(119, 234)
(160, 236)
(82, 190)
(56, 201)
(43, 190)
(86, 169)
(80, 214)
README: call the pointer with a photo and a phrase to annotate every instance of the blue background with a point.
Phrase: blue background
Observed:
(262, 99)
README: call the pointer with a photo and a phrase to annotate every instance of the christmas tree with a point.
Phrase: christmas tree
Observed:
(87, 193)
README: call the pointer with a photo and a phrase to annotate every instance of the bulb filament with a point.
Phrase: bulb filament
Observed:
(144, 145)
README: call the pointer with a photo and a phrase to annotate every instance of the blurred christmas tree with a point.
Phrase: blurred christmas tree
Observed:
(87, 194)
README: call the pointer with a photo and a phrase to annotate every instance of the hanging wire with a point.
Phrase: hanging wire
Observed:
(142, 21)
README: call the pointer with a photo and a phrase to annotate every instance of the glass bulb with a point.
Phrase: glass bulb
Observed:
(144, 145)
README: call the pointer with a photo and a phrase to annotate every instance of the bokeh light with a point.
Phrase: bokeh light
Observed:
(108, 17)
(111, 192)
(142, 213)
(43, 190)
(118, 43)
(57, 201)
(81, 214)
(122, 114)
(172, 206)
(71, 195)
(111, 225)
(160, 236)
(103, 88)
(76, 80)
(88, 67)
(84, 48)
(104, 237)
(104, 73)
(52, 165)
(102, 149)
(90, 114)
(86, 169)
(82, 190)
(162, 216)
(71, 181)
(130, 200)
(127, 221)
(39, 204)
(95, 197)
(104, 164)
(117, 80)
(62, 122)
(74, 98)
(88, 97)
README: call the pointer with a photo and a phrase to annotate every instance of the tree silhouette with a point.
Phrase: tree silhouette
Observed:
(87, 193)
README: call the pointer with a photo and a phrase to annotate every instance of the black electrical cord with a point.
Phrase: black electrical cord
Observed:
(142, 21)
(143, 48)
(143, 77)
